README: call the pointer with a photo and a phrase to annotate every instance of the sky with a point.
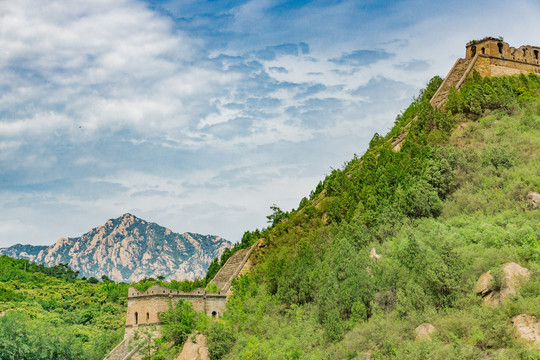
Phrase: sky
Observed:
(199, 115)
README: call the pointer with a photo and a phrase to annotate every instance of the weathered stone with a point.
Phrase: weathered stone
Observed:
(528, 328)
(533, 198)
(197, 350)
(490, 57)
(482, 285)
(373, 254)
(512, 276)
(424, 331)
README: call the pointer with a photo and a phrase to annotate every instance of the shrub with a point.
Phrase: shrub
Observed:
(422, 200)
(220, 340)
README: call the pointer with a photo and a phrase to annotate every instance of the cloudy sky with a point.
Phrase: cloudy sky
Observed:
(199, 115)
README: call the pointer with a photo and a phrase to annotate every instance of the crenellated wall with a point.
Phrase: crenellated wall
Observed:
(496, 48)
(143, 307)
(489, 57)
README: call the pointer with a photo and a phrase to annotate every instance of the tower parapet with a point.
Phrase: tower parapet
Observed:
(497, 48)
(490, 57)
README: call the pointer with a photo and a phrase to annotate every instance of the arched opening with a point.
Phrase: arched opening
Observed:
(473, 51)
(147, 317)
(214, 314)
(136, 318)
(483, 50)
(536, 54)
(500, 45)
(524, 52)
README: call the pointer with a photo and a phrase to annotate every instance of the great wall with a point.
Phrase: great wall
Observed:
(143, 307)
(489, 57)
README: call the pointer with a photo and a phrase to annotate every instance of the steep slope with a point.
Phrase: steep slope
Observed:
(130, 249)
(446, 208)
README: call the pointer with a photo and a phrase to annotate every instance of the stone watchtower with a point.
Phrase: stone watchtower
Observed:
(143, 308)
(490, 57)
(496, 48)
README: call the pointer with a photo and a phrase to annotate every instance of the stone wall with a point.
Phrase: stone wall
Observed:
(497, 48)
(490, 66)
(143, 307)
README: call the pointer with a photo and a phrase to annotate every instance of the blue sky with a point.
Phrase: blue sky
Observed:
(199, 115)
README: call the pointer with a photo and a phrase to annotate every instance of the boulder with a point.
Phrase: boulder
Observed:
(512, 276)
(197, 350)
(482, 285)
(528, 328)
(533, 198)
(424, 331)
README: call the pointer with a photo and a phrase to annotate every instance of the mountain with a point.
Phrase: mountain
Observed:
(397, 254)
(129, 249)
(19, 251)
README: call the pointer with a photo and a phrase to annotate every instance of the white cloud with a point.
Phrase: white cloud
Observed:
(109, 107)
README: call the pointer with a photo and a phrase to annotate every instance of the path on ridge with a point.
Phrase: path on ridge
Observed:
(233, 267)
(454, 79)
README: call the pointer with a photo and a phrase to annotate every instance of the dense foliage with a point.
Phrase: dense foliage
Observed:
(47, 313)
(445, 208)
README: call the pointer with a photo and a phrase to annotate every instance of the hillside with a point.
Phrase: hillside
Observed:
(446, 206)
(48, 313)
(129, 249)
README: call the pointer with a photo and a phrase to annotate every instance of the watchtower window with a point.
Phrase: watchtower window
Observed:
(500, 45)
(483, 50)
(536, 54)
(473, 51)
(136, 318)
(147, 317)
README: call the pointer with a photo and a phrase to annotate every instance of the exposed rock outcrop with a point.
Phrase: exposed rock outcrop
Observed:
(424, 331)
(373, 254)
(197, 350)
(533, 198)
(28, 252)
(130, 249)
(528, 328)
(510, 281)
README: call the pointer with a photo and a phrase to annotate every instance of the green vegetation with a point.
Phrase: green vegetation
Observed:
(447, 207)
(47, 313)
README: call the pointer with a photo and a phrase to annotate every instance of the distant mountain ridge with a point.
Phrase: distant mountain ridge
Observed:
(129, 249)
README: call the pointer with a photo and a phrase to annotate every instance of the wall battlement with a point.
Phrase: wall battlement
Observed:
(496, 48)
(489, 57)
(143, 307)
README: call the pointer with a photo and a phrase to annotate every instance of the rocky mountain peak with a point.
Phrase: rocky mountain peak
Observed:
(129, 248)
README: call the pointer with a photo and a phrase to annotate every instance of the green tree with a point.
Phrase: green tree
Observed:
(178, 322)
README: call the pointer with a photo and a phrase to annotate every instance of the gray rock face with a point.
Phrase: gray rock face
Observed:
(28, 252)
(129, 249)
